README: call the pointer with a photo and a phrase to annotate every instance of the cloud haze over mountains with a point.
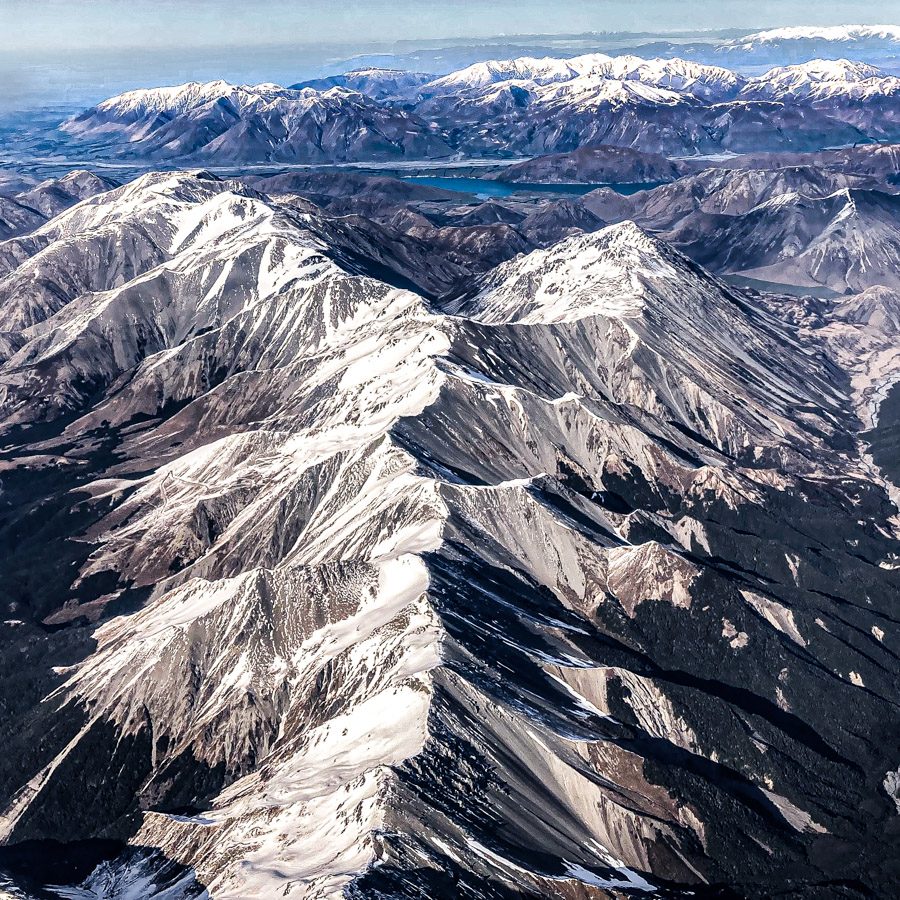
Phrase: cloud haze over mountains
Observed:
(89, 51)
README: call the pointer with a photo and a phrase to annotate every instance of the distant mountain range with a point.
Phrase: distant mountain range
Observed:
(868, 42)
(521, 106)
(749, 53)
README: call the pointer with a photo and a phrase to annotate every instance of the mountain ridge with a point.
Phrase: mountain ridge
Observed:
(520, 105)
(369, 595)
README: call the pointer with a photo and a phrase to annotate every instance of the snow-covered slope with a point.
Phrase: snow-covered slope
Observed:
(709, 83)
(822, 80)
(325, 591)
(600, 274)
(263, 122)
(589, 92)
(521, 105)
(846, 241)
(833, 34)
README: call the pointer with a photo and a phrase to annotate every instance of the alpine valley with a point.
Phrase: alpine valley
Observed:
(480, 484)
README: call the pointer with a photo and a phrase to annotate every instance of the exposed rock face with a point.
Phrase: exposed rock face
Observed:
(847, 241)
(579, 585)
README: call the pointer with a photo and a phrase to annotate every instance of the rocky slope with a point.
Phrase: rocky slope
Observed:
(578, 584)
(260, 122)
(846, 241)
(595, 164)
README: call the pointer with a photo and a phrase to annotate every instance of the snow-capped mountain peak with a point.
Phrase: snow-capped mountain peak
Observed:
(820, 79)
(607, 273)
(838, 34)
(192, 94)
(843, 70)
(524, 68)
(677, 75)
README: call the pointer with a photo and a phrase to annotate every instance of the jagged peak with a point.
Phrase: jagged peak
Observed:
(193, 94)
(603, 273)
(834, 69)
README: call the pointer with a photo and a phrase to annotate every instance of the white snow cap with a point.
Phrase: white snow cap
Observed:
(835, 33)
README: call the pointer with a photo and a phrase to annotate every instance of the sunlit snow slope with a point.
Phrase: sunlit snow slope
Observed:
(577, 586)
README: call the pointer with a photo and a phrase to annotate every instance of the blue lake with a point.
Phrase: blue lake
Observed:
(483, 188)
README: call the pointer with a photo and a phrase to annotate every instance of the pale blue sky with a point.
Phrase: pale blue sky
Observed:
(54, 24)
(74, 53)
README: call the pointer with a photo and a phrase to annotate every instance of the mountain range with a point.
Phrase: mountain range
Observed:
(316, 586)
(521, 106)
(872, 43)
(479, 483)
(832, 223)
(748, 53)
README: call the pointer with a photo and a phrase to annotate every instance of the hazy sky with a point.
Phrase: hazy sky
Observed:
(77, 52)
(49, 25)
